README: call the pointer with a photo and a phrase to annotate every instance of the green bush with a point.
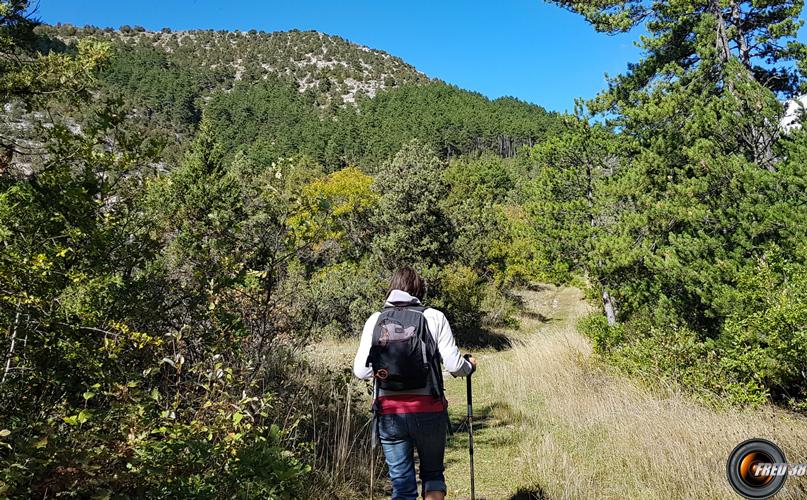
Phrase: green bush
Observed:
(764, 343)
(603, 337)
(344, 295)
(458, 292)
(498, 307)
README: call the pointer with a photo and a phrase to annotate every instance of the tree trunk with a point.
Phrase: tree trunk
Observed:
(608, 305)
(607, 300)
(721, 38)
(742, 43)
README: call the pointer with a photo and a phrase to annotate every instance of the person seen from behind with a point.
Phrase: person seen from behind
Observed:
(401, 350)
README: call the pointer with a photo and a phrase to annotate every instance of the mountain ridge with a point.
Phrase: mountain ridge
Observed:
(336, 69)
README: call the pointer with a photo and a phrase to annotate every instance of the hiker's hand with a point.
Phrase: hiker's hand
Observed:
(471, 360)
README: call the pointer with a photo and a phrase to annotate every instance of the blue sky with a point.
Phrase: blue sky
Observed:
(524, 48)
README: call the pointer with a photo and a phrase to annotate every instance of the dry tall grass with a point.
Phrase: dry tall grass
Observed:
(585, 433)
(326, 419)
(341, 437)
(555, 423)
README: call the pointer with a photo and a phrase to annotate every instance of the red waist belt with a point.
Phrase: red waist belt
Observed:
(410, 403)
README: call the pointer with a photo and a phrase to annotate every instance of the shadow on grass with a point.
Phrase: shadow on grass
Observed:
(497, 414)
(537, 316)
(538, 287)
(531, 493)
(482, 338)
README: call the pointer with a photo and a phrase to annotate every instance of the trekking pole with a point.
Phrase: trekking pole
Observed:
(470, 426)
(373, 438)
(372, 471)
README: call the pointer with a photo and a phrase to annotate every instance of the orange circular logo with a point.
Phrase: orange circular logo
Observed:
(756, 469)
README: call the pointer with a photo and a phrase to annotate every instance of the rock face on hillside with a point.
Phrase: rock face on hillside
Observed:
(332, 69)
(794, 113)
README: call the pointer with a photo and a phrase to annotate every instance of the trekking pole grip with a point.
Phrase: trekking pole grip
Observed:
(468, 357)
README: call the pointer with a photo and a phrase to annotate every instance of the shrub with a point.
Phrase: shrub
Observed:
(764, 344)
(344, 295)
(459, 293)
(498, 307)
(603, 337)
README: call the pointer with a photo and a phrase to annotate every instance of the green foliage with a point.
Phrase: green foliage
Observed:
(764, 339)
(459, 295)
(333, 213)
(138, 307)
(32, 76)
(267, 117)
(162, 91)
(603, 337)
(692, 204)
(565, 200)
(479, 195)
(412, 227)
(273, 115)
(516, 255)
(450, 120)
(344, 295)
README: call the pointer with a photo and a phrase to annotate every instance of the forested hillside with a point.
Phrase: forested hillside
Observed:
(183, 214)
(341, 103)
(329, 68)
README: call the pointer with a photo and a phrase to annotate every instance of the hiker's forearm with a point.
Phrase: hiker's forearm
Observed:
(452, 358)
(360, 368)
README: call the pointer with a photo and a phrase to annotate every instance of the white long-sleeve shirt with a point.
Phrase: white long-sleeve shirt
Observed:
(439, 329)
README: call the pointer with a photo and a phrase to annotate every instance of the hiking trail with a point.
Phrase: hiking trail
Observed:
(549, 316)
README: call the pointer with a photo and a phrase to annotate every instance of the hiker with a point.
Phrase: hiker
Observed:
(401, 349)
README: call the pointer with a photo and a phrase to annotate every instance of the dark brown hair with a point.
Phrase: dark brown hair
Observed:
(406, 279)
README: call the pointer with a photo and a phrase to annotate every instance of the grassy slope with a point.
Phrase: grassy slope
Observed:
(554, 422)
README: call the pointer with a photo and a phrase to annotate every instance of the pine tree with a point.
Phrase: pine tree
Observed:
(411, 226)
(707, 189)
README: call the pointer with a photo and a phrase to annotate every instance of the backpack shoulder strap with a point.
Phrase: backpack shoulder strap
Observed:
(433, 357)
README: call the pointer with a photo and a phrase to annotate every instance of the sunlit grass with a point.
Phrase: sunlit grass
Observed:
(552, 421)
(584, 432)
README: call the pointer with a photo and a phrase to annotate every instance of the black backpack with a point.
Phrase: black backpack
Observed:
(404, 355)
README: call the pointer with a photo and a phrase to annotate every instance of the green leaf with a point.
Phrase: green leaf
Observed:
(5, 432)
(83, 416)
(88, 395)
(237, 417)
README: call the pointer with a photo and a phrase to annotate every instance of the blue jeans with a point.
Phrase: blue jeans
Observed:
(400, 435)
